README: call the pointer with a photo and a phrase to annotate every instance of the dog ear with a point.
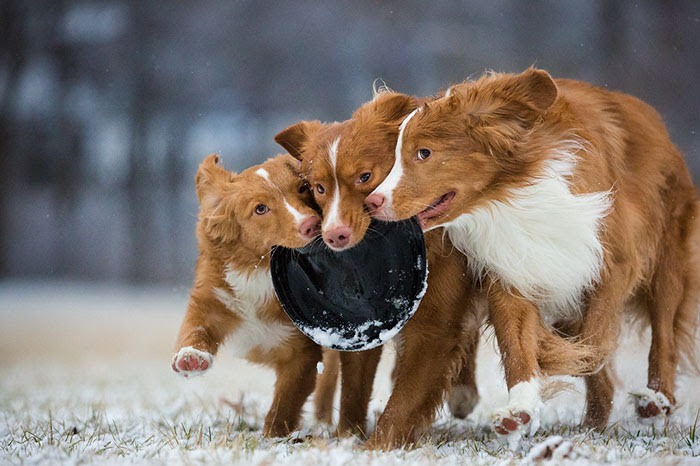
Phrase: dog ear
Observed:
(210, 180)
(500, 107)
(215, 213)
(391, 106)
(524, 97)
(295, 165)
(220, 224)
(294, 138)
(533, 87)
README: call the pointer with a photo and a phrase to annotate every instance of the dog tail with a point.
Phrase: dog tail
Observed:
(558, 355)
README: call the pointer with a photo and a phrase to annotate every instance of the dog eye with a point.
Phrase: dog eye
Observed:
(365, 177)
(320, 189)
(423, 154)
(261, 209)
(303, 188)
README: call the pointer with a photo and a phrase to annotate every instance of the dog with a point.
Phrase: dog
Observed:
(343, 163)
(570, 203)
(241, 218)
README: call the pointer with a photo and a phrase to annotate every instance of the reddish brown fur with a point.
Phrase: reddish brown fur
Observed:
(435, 340)
(367, 143)
(231, 235)
(496, 134)
(326, 384)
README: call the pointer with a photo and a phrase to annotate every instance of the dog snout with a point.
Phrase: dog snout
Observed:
(375, 201)
(338, 237)
(309, 228)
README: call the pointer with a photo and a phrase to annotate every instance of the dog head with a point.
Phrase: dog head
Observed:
(344, 162)
(263, 206)
(458, 150)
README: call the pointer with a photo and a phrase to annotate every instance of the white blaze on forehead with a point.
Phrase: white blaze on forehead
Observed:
(298, 216)
(390, 183)
(264, 174)
(332, 219)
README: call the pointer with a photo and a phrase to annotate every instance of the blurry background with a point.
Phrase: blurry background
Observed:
(107, 107)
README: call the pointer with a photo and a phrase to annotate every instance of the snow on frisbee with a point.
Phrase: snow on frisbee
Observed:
(359, 298)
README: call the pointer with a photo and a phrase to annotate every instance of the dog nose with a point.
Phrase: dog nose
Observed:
(309, 228)
(374, 201)
(338, 237)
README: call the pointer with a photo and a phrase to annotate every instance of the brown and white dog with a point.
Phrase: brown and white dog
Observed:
(570, 202)
(242, 216)
(344, 162)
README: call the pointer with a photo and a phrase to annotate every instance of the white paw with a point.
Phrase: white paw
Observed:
(553, 449)
(510, 425)
(462, 400)
(650, 405)
(521, 415)
(191, 362)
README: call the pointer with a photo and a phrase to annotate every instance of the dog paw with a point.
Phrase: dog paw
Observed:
(511, 423)
(190, 361)
(462, 400)
(553, 449)
(650, 405)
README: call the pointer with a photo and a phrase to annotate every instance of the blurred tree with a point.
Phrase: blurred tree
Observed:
(13, 14)
(107, 107)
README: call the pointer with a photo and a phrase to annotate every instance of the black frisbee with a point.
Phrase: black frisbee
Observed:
(355, 299)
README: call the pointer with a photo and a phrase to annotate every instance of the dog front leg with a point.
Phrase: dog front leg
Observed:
(205, 326)
(296, 376)
(515, 320)
(431, 352)
(357, 371)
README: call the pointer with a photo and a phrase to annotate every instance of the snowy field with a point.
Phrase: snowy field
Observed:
(86, 378)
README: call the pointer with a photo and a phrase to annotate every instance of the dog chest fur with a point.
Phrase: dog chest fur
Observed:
(251, 291)
(542, 240)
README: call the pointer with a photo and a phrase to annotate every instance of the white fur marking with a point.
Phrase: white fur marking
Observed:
(332, 220)
(254, 288)
(386, 187)
(523, 397)
(192, 352)
(646, 396)
(250, 293)
(543, 241)
(298, 216)
(264, 174)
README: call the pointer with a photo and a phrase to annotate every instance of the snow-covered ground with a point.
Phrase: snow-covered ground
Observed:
(86, 378)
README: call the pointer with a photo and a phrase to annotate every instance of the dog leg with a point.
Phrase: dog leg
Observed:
(326, 383)
(599, 386)
(600, 329)
(665, 298)
(357, 371)
(206, 324)
(422, 380)
(599, 398)
(464, 394)
(296, 376)
(515, 321)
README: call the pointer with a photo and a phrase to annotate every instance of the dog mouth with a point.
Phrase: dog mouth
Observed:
(438, 207)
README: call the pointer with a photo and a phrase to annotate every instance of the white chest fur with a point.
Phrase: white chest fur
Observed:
(543, 240)
(250, 293)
